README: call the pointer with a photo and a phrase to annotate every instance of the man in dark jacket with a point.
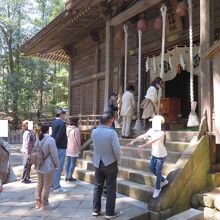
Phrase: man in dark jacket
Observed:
(59, 134)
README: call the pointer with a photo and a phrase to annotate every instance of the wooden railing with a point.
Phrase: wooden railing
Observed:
(86, 123)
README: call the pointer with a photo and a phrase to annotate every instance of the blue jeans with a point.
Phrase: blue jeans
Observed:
(156, 166)
(70, 166)
(57, 175)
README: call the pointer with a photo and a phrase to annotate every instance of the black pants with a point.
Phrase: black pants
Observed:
(27, 168)
(109, 174)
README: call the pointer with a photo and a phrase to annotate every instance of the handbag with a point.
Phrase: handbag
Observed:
(143, 102)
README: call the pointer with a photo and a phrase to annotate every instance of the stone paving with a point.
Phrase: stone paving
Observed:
(17, 201)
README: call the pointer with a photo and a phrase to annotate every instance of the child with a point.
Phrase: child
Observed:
(156, 138)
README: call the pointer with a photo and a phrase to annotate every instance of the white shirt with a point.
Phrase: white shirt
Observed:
(152, 94)
(158, 147)
(128, 104)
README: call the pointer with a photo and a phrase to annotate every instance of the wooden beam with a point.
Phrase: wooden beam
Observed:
(139, 7)
(206, 72)
(109, 60)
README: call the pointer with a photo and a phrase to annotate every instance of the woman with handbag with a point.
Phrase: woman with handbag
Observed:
(150, 103)
(45, 172)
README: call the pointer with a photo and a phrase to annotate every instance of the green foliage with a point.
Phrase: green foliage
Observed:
(28, 84)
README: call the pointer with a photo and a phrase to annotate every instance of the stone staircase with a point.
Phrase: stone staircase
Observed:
(134, 177)
(208, 202)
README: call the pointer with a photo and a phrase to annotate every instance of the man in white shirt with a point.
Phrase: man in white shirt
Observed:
(127, 110)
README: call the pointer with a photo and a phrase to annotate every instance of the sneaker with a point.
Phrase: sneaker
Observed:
(60, 190)
(162, 184)
(96, 213)
(48, 207)
(26, 181)
(38, 205)
(71, 179)
(156, 193)
(115, 215)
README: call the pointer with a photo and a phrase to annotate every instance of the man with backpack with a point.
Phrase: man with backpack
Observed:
(27, 146)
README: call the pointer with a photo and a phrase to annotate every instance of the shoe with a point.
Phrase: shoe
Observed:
(38, 205)
(156, 193)
(115, 215)
(127, 137)
(71, 179)
(96, 213)
(59, 190)
(162, 184)
(66, 179)
(48, 207)
(26, 181)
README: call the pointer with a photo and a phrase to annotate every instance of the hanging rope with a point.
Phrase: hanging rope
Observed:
(193, 118)
(163, 10)
(191, 52)
(139, 73)
(125, 27)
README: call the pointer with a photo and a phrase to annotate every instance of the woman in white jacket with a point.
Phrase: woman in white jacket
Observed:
(46, 171)
(150, 108)
(73, 148)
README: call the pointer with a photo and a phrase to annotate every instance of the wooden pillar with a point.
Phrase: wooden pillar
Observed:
(109, 60)
(69, 86)
(206, 40)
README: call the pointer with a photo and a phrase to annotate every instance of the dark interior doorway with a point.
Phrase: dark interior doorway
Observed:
(179, 87)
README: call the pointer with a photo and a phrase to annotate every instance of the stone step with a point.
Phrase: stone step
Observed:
(131, 189)
(171, 146)
(146, 154)
(138, 176)
(190, 214)
(175, 146)
(210, 213)
(183, 136)
(135, 163)
(143, 164)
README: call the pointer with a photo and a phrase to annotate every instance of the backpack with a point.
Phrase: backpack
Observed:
(4, 164)
(37, 156)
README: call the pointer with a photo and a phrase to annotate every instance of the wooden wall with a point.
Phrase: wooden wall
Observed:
(88, 65)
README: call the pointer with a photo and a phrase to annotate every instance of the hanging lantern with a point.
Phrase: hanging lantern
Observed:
(142, 25)
(158, 23)
(119, 36)
(182, 8)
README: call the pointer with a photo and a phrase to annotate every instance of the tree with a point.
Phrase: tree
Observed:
(27, 84)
